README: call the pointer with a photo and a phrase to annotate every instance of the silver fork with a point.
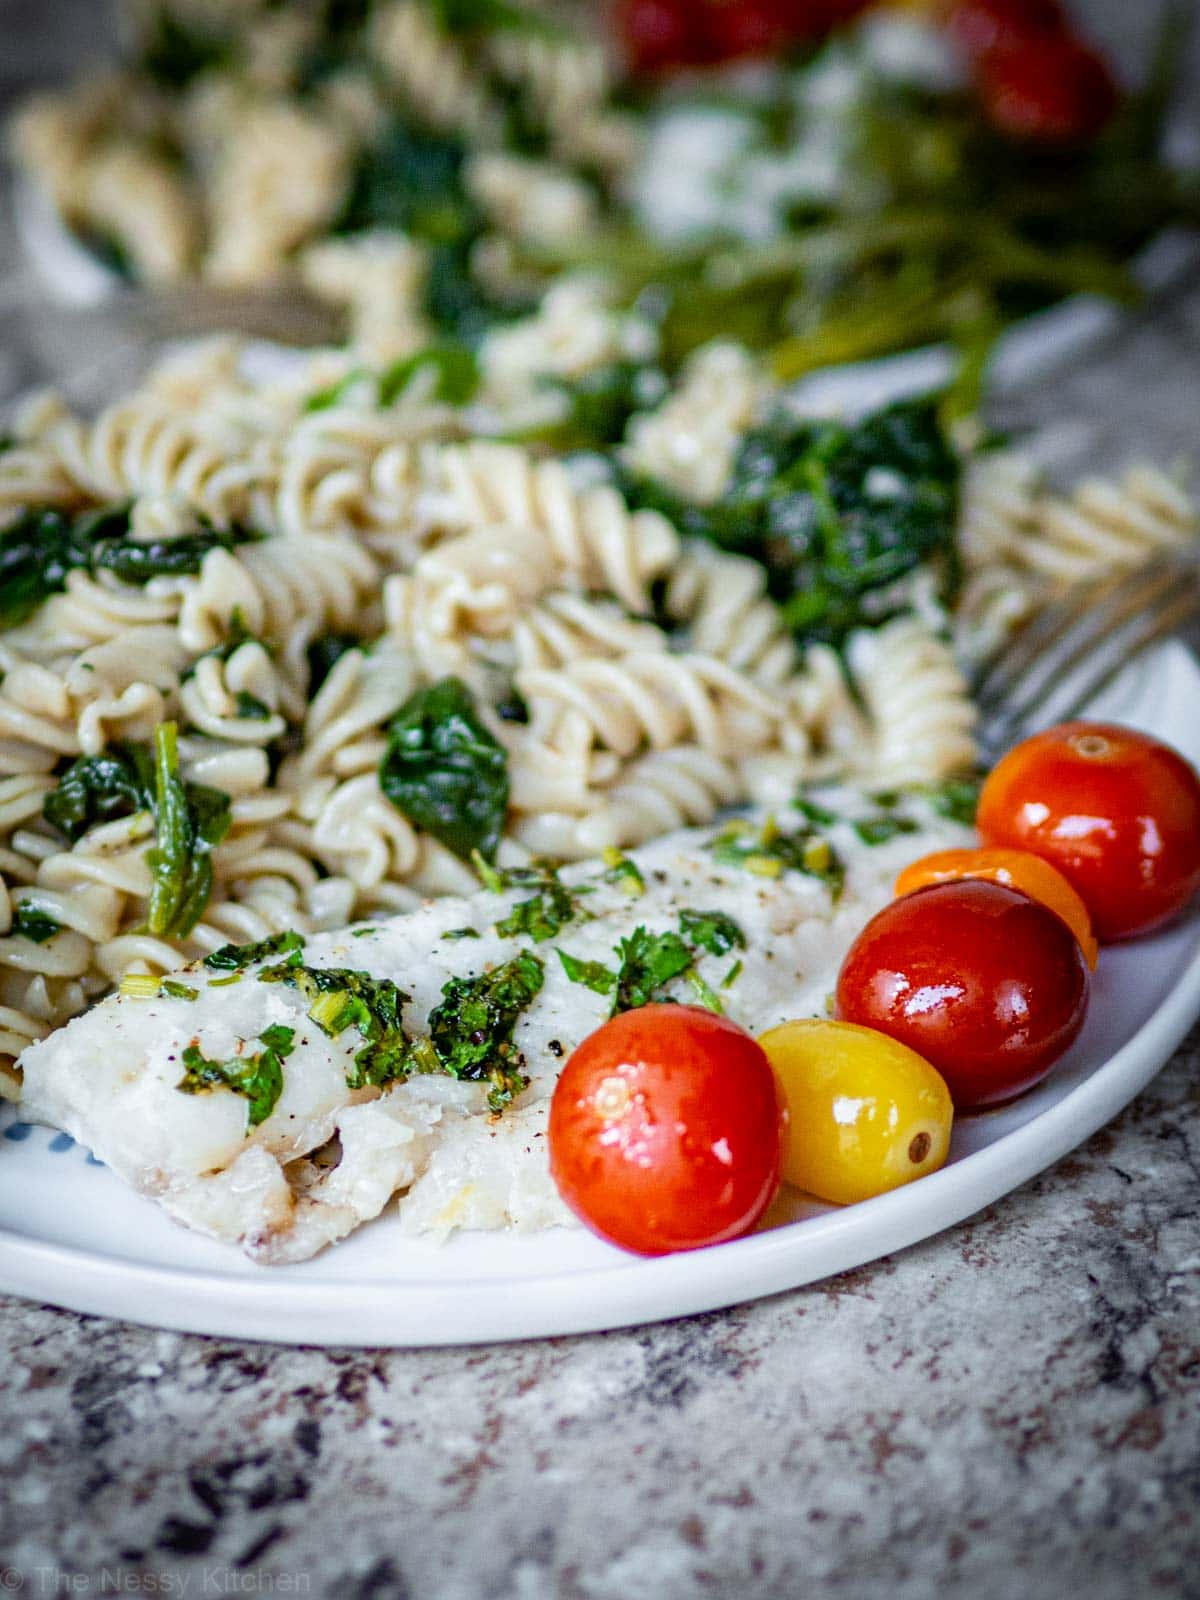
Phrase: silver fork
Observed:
(1069, 651)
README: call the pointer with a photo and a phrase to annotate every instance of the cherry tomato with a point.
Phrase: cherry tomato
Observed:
(1018, 869)
(1118, 813)
(983, 25)
(766, 27)
(666, 1129)
(1046, 89)
(661, 34)
(986, 984)
(867, 1114)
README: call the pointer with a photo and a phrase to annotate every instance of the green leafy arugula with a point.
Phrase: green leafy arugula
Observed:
(258, 1077)
(472, 1028)
(445, 771)
(44, 545)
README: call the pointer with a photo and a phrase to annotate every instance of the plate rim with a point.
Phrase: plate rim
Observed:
(362, 1314)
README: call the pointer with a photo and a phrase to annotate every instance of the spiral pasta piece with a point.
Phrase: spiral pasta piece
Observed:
(657, 698)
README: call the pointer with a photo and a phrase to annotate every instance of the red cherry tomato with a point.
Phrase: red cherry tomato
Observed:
(1046, 89)
(1118, 814)
(766, 27)
(985, 983)
(666, 1130)
(660, 35)
(983, 25)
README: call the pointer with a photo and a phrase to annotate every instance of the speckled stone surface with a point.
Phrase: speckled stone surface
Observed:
(1011, 1409)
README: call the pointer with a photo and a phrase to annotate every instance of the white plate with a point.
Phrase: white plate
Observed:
(75, 1236)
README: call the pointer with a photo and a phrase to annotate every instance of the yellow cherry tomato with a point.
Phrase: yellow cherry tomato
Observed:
(867, 1114)
(1015, 869)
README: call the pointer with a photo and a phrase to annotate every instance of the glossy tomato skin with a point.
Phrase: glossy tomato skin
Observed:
(985, 983)
(1017, 869)
(1046, 90)
(661, 35)
(1118, 814)
(983, 25)
(666, 1130)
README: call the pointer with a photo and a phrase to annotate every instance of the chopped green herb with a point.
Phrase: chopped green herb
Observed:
(957, 799)
(771, 852)
(178, 991)
(139, 986)
(704, 992)
(340, 998)
(362, 933)
(712, 931)
(223, 983)
(258, 1077)
(489, 16)
(190, 820)
(646, 963)
(550, 910)
(461, 933)
(472, 1028)
(820, 815)
(879, 830)
(31, 923)
(445, 771)
(732, 976)
(619, 869)
(594, 975)
(233, 957)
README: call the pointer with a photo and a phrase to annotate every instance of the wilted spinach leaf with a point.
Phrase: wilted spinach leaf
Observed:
(190, 820)
(101, 788)
(445, 771)
(45, 544)
(30, 923)
(835, 512)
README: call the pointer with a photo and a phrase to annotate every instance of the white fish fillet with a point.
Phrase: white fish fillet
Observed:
(328, 1158)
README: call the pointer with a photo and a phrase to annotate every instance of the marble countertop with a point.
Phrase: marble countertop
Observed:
(1011, 1409)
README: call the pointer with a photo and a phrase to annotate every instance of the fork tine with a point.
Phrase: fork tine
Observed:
(1081, 673)
(1039, 648)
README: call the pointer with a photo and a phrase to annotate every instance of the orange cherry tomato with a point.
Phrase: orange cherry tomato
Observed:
(1117, 812)
(1016, 869)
